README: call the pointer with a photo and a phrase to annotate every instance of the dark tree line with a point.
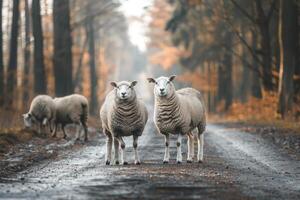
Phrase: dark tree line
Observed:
(261, 36)
(50, 61)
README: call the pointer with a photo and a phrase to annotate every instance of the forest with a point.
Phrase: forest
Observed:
(242, 54)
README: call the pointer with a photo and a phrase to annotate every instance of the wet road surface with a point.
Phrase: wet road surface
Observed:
(237, 165)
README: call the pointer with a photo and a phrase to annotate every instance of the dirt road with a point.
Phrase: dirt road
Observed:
(238, 165)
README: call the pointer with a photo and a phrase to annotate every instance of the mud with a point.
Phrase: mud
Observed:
(237, 165)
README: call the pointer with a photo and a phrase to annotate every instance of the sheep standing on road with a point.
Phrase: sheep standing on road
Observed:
(41, 112)
(179, 112)
(72, 109)
(122, 114)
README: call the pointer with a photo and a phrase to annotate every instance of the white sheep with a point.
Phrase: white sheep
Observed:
(72, 109)
(179, 112)
(41, 112)
(122, 114)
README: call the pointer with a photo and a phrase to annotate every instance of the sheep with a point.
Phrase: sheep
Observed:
(179, 112)
(122, 114)
(42, 112)
(72, 109)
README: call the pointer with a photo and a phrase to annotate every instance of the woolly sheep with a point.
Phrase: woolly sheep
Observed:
(179, 112)
(72, 109)
(122, 114)
(41, 112)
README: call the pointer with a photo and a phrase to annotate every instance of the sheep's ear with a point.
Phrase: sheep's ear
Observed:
(171, 78)
(133, 83)
(151, 80)
(114, 84)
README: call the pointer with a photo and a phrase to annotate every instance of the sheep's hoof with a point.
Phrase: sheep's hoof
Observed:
(54, 136)
(85, 139)
(137, 162)
(65, 137)
(165, 162)
(200, 161)
(107, 162)
(178, 162)
(117, 162)
(125, 163)
(189, 161)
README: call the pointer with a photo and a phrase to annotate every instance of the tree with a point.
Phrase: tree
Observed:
(39, 68)
(93, 73)
(288, 37)
(227, 65)
(26, 54)
(13, 56)
(255, 79)
(62, 59)
(1, 58)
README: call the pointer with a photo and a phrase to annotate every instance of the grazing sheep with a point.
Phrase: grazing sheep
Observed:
(179, 112)
(122, 114)
(41, 112)
(72, 109)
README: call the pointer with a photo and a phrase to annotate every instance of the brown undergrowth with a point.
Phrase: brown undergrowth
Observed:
(258, 112)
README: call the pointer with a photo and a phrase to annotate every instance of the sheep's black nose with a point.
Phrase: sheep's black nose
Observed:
(161, 89)
(123, 93)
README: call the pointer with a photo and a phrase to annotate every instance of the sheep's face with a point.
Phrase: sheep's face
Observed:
(28, 120)
(163, 85)
(124, 90)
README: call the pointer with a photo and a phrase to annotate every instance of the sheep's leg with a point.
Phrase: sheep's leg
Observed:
(64, 132)
(85, 128)
(122, 151)
(167, 151)
(193, 146)
(40, 128)
(50, 126)
(116, 147)
(136, 155)
(200, 147)
(54, 130)
(108, 147)
(78, 131)
(190, 148)
(179, 153)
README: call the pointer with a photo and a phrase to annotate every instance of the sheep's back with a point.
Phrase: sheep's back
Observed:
(192, 103)
(71, 108)
(42, 107)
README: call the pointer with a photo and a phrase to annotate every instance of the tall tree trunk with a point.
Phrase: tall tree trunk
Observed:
(78, 75)
(1, 58)
(13, 56)
(288, 54)
(245, 85)
(245, 82)
(265, 41)
(256, 81)
(39, 67)
(62, 59)
(25, 84)
(221, 85)
(227, 62)
(93, 72)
